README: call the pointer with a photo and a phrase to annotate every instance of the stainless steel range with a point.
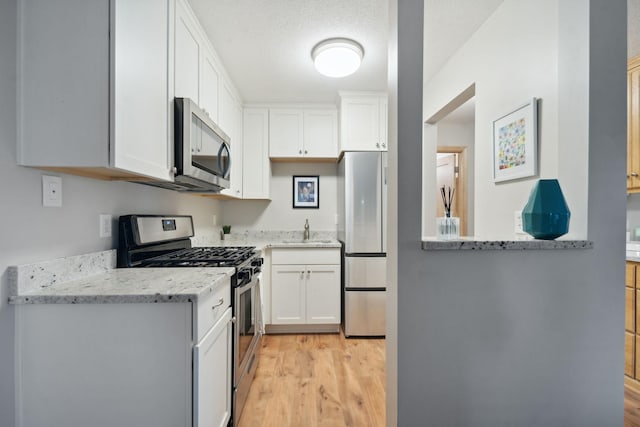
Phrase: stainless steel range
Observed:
(164, 241)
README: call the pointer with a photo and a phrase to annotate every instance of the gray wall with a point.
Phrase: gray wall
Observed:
(516, 338)
(29, 232)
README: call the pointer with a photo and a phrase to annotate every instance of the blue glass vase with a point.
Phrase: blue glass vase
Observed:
(546, 214)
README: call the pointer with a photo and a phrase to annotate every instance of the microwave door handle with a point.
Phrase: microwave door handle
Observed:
(224, 147)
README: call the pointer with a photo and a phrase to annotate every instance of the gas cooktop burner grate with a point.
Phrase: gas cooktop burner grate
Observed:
(201, 257)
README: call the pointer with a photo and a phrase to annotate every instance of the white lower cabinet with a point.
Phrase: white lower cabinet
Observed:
(288, 296)
(212, 376)
(305, 293)
(129, 364)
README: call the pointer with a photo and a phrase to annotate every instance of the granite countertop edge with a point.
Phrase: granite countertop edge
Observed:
(102, 299)
(163, 285)
(261, 245)
(504, 245)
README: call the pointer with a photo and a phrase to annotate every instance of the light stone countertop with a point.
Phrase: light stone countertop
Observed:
(132, 285)
(633, 256)
(273, 239)
(93, 279)
(469, 243)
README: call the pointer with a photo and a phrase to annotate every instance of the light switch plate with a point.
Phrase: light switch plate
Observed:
(105, 225)
(51, 191)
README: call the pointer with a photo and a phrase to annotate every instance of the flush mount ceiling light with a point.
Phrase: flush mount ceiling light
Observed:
(337, 57)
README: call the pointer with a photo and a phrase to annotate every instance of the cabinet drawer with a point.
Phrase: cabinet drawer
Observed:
(629, 357)
(631, 275)
(305, 256)
(211, 307)
(630, 310)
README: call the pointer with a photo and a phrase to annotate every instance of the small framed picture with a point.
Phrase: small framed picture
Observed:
(515, 143)
(306, 192)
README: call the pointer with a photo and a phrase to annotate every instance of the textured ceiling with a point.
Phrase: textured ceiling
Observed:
(265, 45)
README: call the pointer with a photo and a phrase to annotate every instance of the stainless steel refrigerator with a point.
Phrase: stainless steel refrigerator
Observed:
(362, 216)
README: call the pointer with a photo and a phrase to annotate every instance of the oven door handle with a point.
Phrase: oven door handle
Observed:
(248, 284)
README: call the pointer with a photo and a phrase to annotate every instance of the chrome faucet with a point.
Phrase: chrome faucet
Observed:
(305, 236)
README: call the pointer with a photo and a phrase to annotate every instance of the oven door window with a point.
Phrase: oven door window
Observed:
(245, 321)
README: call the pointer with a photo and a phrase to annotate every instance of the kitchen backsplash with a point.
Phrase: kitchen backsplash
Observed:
(245, 237)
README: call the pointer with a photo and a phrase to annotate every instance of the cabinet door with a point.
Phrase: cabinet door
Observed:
(212, 376)
(139, 37)
(630, 278)
(287, 294)
(323, 293)
(629, 354)
(359, 123)
(209, 81)
(633, 125)
(187, 55)
(256, 170)
(630, 310)
(237, 151)
(231, 122)
(285, 132)
(320, 133)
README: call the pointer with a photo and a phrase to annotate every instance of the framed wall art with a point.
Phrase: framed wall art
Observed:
(306, 192)
(515, 143)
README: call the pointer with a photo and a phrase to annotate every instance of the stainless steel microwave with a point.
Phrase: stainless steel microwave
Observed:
(202, 155)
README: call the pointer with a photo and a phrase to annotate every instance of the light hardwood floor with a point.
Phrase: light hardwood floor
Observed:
(317, 380)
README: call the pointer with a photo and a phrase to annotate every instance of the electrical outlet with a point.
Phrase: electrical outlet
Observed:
(517, 216)
(105, 225)
(215, 220)
(51, 191)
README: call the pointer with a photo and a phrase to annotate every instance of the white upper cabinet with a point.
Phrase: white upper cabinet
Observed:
(256, 166)
(363, 121)
(285, 132)
(187, 55)
(201, 77)
(231, 122)
(320, 133)
(197, 73)
(303, 133)
(209, 83)
(111, 113)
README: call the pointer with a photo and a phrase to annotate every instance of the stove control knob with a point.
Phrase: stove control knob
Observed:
(257, 262)
(244, 275)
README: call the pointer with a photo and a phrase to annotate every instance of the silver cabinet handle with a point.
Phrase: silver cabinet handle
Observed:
(220, 302)
(377, 145)
(302, 274)
(305, 151)
(634, 174)
(233, 319)
(299, 151)
(384, 145)
(308, 274)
